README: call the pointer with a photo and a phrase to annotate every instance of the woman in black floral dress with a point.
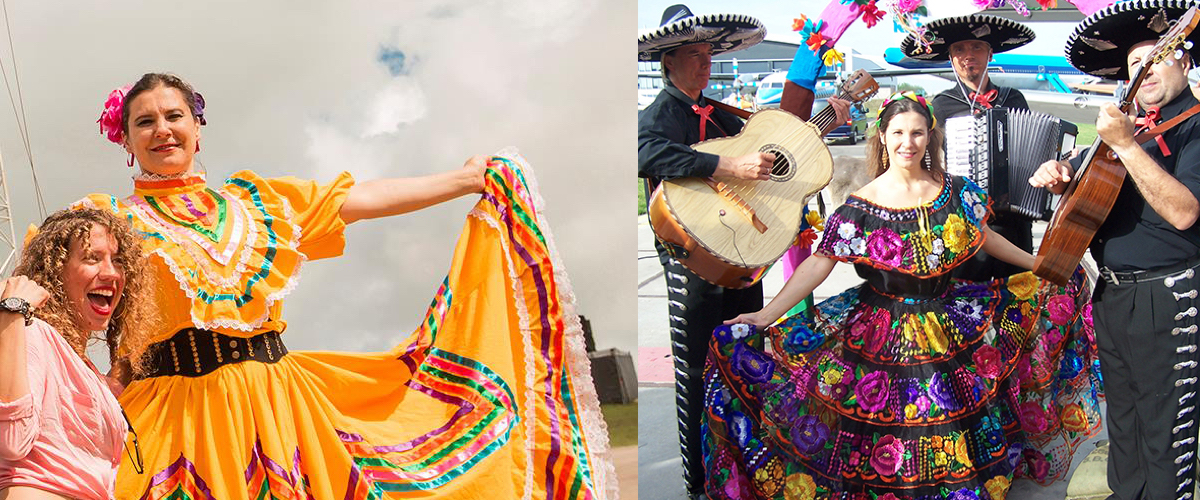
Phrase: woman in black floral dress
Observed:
(912, 385)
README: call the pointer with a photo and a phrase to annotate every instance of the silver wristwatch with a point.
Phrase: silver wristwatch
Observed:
(19, 306)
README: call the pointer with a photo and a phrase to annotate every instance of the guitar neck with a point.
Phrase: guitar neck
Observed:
(827, 115)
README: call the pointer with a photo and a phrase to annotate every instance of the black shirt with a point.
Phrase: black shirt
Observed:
(1134, 236)
(666, 130)
(953, 102)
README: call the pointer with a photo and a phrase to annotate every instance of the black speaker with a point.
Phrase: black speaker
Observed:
(614, 376)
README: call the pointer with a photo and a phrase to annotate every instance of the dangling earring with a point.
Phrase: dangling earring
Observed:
(197, 146)
(928, 161)
(130, 162)
(885, 160)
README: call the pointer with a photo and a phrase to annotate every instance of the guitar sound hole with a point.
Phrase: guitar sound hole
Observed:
(784, 168)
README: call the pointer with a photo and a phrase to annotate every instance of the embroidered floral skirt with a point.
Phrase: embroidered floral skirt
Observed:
(883, 398)
(490, 397)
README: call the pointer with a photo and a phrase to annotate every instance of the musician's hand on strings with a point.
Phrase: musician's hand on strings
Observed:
(1052, 175)
(841, 109)
(754, 166)
(1115, 128)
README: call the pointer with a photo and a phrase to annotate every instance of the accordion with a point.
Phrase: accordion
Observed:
(1000, 149)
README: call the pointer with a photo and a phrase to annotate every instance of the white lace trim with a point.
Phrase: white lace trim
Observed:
(591, 419)
(151, 176)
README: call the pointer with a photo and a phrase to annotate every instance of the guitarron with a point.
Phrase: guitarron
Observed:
(730, 232)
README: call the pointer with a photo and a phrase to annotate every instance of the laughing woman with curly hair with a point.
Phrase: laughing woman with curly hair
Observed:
(61, 429)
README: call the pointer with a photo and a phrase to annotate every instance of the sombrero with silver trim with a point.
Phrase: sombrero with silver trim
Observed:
(679, 27)
(1100, 44)
(1000, 34)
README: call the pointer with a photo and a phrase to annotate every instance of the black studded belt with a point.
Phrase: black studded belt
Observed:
(193, 352)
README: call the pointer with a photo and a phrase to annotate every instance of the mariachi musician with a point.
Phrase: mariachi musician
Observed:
(968, 42)
(684, 44)
(1148, 249)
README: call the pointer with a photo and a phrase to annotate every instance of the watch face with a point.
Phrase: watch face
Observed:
(14, 304)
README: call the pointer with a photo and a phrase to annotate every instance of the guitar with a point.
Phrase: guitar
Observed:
(730, 232)
(1093, 189)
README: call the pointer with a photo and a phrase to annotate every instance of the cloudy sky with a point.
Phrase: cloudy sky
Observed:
(379, 88)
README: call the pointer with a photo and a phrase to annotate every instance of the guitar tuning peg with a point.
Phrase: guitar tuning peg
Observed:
(1169, 62)
(1178, 54)
(1187, 45)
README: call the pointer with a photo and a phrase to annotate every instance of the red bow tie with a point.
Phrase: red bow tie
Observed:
(704, 118)
(1150, 121)
(985, 99)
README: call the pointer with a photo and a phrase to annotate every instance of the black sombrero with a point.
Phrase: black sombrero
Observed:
(1100, 44)
(679, 27)
(999, 33)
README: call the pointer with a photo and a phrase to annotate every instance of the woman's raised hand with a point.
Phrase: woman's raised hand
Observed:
(27, 289)
(477, 165)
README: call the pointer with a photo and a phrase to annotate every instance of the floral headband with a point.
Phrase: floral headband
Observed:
(907, 94)
(110, 118)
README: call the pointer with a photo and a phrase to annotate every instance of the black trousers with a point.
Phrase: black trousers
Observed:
(1147, 337)
(696, 307)
(983, 267)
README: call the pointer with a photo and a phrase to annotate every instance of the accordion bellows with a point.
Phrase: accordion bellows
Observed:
(1010, 144)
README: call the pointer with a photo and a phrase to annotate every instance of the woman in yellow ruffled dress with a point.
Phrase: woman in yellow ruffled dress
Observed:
(486, 398)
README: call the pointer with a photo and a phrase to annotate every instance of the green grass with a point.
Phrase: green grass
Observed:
(622, 423)
(641, 196)
(1087, 134)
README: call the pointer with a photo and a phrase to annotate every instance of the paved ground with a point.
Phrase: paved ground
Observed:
(658, 455)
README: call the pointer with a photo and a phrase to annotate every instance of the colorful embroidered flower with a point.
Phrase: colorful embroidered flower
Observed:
(1061, 309)
(1048, 4)
(847, 230)
(752, 365)
(871, 14)
(858, 246)
(841, 249)
(878, 331)
(1024, 372)
(739, 428)
(740, 330)
(933, 260)
(1087, 316)
(997, 487)
(839, 392)
(832, 376)
(961, 451)
(801, 339)
(884, 245)
(859, 329)
(963, 494)
(738, 485)
(1071, 365)
(955, 233)
(872, 391)
(923, 404)
(800, 487)
(972, 309)
(911, 411)
(810, 434)
(1052, 338)
(1074, 419)
(110, 118)
(724, 334)
(1039, 467)
(1033, 418)
(888, 455)
(940, 392)
(987, 361)
(979, 211)
(1023, 285)
(938, 246)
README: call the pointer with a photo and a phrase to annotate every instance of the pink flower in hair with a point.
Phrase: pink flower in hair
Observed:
(110, 118)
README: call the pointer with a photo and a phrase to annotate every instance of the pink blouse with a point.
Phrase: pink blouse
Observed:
(67, 434)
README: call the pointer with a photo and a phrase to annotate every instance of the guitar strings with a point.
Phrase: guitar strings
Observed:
(721, 219)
